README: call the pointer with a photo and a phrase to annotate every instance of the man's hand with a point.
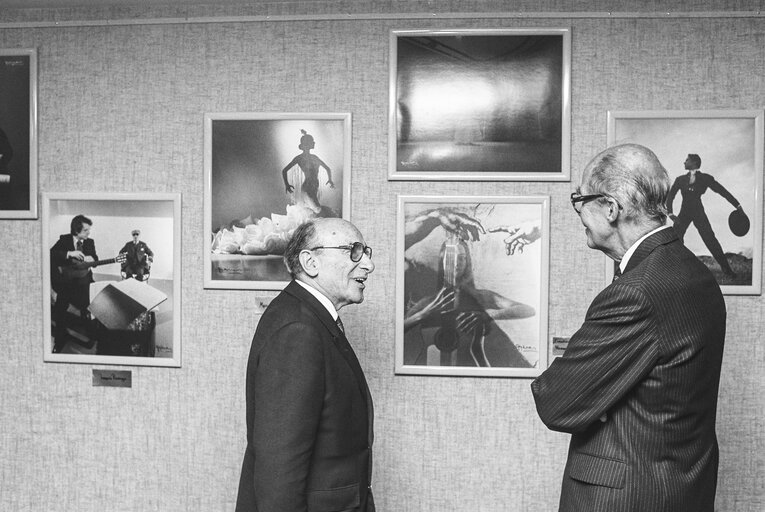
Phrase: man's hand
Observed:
(77, 255)
(519, 236)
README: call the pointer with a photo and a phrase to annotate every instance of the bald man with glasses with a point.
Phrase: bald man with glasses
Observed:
(309, 410)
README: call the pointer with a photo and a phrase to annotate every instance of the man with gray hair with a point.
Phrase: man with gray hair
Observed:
(637, 385)
(309, 411)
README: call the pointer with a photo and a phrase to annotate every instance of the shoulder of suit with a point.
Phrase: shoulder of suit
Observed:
(295, 304)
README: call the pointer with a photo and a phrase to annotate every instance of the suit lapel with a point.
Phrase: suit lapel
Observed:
(350, 356)
(340, 341)
(646, 247)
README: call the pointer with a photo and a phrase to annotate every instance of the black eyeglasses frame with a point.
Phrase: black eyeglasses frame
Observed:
(576, 197)
(356, 249)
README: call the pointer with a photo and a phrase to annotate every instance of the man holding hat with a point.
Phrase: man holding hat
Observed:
(692, 186)
(138, 258)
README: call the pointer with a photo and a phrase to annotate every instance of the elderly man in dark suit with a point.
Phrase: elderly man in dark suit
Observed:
(309, 411)
(637, 386)
(138, 258)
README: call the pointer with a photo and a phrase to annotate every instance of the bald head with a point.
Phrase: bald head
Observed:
(634, 177)
(312, 234)
(321, 254)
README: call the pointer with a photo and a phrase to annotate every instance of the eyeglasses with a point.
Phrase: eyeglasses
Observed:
(357, 250)
(578, 200)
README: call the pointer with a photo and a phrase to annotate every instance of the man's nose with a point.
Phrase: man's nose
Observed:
(367, 263)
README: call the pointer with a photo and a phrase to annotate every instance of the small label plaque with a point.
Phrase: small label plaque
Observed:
(560, 344)
(113, 378)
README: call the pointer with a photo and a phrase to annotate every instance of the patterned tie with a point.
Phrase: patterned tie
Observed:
(617, 273)
(340, 325)
(79, 245)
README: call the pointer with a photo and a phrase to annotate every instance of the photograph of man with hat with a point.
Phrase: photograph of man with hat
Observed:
(714, 159)
(692, 186)
(138, 258)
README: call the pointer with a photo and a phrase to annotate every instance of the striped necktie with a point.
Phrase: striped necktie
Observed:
(340, 325)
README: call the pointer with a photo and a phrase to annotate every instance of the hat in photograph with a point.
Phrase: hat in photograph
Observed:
(738, 223)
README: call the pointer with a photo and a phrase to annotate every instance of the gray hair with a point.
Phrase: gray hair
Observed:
(302, 238)
(633, 176)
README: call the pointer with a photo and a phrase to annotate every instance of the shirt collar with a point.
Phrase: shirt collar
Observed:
(320, 297)
(633, 248)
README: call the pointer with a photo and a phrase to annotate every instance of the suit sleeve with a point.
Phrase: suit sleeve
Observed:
(717, 187)
(288, 394)
(58, 253)
(615, 348)
(89, 248)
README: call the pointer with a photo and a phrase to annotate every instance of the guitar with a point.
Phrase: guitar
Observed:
(77, 269)
(458, 346)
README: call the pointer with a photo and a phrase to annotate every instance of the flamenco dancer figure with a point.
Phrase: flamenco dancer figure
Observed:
(309, 164)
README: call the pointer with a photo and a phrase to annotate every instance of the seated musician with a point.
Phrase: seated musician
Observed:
(71, 287)
(442, 286)
(139, 258)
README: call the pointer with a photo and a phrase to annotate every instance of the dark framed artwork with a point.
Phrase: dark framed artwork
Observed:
(723, 150)
(265, 174)
(480, 105)
(18, 133)
(472, 285)
(112, 278)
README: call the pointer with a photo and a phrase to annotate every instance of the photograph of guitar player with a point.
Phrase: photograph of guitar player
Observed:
(72, 259)
(448, 319)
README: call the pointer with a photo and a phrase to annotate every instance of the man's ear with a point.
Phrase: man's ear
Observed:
(613, 210)
(309, 263)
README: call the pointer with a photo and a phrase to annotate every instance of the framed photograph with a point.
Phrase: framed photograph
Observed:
(112, 278)
(715, 162)
(265, 174)
(491, 105)
(472, 285)
(18, 134)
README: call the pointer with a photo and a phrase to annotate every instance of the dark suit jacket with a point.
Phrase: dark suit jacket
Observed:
(137, 256)
(64, 244)
(648, 358)
(692, 205)
(309, 414)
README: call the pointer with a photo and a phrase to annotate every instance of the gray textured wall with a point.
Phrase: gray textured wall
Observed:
(121, 109)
